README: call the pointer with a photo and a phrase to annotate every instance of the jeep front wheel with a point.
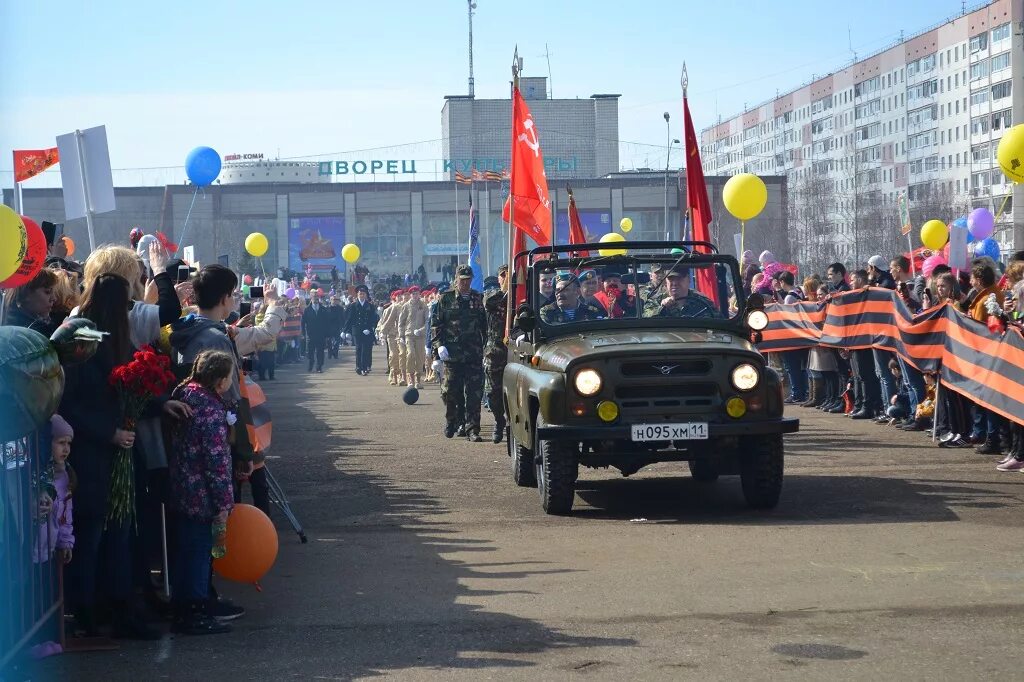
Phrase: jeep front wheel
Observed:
(761, 467)
(523, 472)
(557, 468)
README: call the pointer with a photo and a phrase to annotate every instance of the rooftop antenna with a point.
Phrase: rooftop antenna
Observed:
(472, 6)
(551, 87)
(849, 43)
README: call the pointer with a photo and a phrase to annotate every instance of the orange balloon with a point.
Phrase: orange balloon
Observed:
(69, 244)
(251, 545)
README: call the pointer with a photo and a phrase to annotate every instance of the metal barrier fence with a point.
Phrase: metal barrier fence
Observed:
(30, 587)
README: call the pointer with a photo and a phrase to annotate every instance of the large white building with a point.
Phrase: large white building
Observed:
(922, 117)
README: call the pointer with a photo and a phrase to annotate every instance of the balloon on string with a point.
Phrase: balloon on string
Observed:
(934, 234)
(250, 543)
(1010, 153)
(289, 292)
(745, 196)
(69, 245)
(626, 224)
(256, 244)
(35, 256)
(202, 165)
(13, 241)
(143, 248)
(350, 253)
(612, 237)
(245, 290)
(961, 222)
(987, 247)
(981, 222)
(247, 279)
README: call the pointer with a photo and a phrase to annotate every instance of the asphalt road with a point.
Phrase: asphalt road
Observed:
(887, 558)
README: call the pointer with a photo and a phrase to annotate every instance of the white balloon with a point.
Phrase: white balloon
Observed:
(143, 248)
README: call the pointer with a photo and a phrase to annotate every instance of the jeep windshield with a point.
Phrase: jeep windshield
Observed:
(645, 286)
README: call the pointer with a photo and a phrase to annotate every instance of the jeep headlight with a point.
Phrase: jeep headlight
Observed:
(587, 382)
(757, 320)
(745, 377)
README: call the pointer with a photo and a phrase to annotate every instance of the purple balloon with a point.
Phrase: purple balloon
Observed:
(980, 223)
(289, 292)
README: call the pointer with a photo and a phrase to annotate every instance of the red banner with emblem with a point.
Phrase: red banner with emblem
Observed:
(29, 163)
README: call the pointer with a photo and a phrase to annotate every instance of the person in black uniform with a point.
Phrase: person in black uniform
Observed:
(362, 320)
(335, 315)
(316, 324)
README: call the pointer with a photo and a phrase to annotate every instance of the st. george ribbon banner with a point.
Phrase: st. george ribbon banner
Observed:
(984, 366)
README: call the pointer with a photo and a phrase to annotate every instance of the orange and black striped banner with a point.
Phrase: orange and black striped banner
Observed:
(986, 367)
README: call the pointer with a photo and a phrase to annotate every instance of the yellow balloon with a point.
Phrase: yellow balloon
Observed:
(256, 244)
(13, 241)
(934, 234)
(1010, 153)
(745, 196)
(612, 237)
(626, 224)
(350, 252)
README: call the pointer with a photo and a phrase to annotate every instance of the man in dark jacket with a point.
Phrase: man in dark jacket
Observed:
(316, 325)
(335, 316)
(362, 320)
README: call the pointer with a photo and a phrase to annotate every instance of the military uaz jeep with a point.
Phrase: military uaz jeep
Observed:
(639, 353)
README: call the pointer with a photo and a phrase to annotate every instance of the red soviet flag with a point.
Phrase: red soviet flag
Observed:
(529, 185)
(697, 204)
(31, 162)
(577, 235)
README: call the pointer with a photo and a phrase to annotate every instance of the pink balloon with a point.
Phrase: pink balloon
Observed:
(930, 262)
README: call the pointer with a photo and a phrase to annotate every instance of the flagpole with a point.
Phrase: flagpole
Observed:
(511, 295)
(457, 237)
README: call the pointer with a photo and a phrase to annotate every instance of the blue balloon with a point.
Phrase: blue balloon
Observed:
(961, 222)
(202, 165)
(987, 247)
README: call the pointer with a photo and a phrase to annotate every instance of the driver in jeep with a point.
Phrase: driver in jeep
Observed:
(568, 306)
(681, 301)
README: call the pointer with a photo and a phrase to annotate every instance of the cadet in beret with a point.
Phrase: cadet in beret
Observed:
(590, 284)
(680, 300)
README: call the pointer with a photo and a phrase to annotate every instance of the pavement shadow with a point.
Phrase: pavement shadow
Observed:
(806, 499)
(380, 587)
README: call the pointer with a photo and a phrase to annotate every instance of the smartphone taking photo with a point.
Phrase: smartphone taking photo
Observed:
(256, 292)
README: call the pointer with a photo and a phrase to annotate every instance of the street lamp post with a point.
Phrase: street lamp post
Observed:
(668, 156)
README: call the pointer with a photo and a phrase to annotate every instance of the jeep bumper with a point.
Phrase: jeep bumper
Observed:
(761, 427)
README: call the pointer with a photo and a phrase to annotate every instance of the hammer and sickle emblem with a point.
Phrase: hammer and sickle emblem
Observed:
(530, 137)
(1014, 163)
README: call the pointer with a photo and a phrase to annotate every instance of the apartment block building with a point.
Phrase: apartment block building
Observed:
(922, 118)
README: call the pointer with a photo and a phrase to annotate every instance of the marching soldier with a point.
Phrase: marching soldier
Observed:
(412, 325)
(496, 352)
(458, 331)
(678, 300)
(387, 328)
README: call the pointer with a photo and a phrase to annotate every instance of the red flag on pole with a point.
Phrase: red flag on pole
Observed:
(697, 203)
(528, 187)
(29, 163)
(577, 235)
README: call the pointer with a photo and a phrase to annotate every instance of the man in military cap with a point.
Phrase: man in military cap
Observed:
(458, 330)
(567, 306)
(362, 320)
(387, 329)
(678, 300)
(653, 287)
(496, 352)
(590, 284)
(546, 282)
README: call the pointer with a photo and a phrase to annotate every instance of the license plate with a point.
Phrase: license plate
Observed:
(677, 431)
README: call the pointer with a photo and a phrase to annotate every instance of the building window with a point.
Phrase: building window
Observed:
(979, 42)
(1001, 32)
(979, 70)
(1001, 90)
(1000, 61)
(1002, 120)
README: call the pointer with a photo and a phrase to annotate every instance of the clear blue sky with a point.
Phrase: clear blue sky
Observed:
(298, 78)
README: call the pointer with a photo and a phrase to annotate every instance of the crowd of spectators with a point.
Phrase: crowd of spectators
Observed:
(879, 385)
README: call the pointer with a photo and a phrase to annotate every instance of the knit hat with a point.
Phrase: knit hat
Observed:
(767, 257)
(60, 428)
(879, 263)
(747, 257)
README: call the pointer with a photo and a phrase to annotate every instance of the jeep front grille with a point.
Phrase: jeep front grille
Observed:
(666, 368)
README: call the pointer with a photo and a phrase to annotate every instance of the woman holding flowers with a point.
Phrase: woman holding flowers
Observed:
(95, 408)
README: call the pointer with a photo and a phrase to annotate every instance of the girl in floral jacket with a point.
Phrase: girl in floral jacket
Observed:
(201, 488)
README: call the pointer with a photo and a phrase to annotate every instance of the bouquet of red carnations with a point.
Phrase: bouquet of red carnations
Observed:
(137, 382)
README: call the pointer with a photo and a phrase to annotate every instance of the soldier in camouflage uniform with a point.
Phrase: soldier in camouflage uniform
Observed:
(496, 352)
(568, 306)
(678, 299)
(458, 330)
(654, 287)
